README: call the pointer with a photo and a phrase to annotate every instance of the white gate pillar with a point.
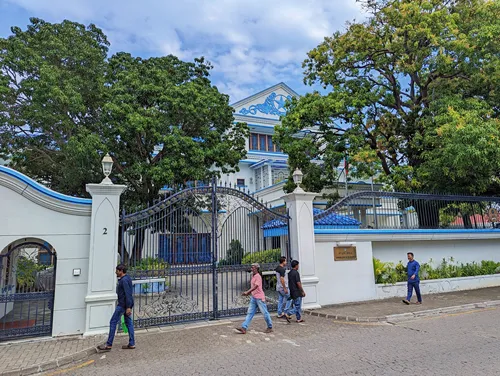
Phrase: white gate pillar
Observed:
(101, 293)
(302, 242)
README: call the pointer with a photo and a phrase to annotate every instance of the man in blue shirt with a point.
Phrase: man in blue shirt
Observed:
(124, 290)
(413, 279)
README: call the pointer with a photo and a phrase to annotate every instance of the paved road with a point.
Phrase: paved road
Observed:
(460, 344)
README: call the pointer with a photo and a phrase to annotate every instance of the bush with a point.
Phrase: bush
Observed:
(386, 272)
(154, 267)
(234, 254)
(262, 257)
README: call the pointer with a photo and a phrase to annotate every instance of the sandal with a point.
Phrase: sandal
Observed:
(301, 320)
(128, 347)
(103, 348)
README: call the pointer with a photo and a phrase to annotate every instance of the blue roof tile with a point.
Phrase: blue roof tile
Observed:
(332, 219)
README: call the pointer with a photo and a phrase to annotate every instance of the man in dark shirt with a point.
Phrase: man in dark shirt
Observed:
(282, 288)
(296, 292)
(413, 279)
(124, 307)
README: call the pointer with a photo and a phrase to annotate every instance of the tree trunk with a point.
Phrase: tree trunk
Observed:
(427, 213)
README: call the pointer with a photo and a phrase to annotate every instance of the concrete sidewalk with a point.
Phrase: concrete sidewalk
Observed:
(394, 310)
(26, 357)
(33, 356)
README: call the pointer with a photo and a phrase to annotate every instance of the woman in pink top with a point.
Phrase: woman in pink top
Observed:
(258, 299)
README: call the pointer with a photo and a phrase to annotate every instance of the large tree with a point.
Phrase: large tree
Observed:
(63, 104)
(51, 94)
(412, 96)
(166, 124)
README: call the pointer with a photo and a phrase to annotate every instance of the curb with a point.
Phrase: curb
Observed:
(52, 364)
(401, 317)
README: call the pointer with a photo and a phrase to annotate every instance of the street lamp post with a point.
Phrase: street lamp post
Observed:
(107, 166)
(297, 179)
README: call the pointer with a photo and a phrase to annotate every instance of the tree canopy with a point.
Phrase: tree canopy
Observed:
(64, 103)
(412, 98)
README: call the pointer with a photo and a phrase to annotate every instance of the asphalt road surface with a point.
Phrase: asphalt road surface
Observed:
(460, 344)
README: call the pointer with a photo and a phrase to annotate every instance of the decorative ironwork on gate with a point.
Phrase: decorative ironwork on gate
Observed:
(189, 255)
(27, 285)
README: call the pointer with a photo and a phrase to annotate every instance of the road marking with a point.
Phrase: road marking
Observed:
(291, 342)
(359, 323)
(477, 310)
(84, 364)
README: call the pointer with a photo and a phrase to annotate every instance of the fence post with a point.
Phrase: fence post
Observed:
(101, 296)
(302, 242)
(215, 220)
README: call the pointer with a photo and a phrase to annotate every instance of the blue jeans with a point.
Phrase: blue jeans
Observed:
(282, 299)
(297, 309)
(115, 320)
(252, 308)
(414, 285)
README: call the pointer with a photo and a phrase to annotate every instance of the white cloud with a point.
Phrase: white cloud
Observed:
(252, 44)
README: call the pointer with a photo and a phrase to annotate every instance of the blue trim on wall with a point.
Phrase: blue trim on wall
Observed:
(274, 185)
(267, 153)
(402, 231)
(42, 189)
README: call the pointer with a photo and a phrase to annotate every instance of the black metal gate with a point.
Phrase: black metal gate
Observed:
(27, 285)
(190, 254)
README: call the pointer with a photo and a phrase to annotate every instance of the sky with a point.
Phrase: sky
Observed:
(252, 44)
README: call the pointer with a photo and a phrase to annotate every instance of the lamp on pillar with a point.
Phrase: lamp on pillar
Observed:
(107, 166)
(297, 179)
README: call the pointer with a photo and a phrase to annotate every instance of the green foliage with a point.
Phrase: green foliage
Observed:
(412, 97)
(234, 254)
(63, 104)
(154, 266)
(262, 257)
(26, 272)
(386, 272)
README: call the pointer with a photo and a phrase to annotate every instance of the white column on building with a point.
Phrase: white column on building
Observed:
(101, 293)
(302, 242)
(270, 182)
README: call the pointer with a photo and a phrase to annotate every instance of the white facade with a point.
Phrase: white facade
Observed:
(265, 169)
(354, 281)
(33, 212)
(265, 165)
(83, 234)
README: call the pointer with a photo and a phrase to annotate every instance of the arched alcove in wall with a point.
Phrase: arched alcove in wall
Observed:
(27, 285)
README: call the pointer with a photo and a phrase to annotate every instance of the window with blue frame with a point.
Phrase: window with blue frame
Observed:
(240, 182)
(270, 146)
(44, 258)
(254, 142)
(263, 142)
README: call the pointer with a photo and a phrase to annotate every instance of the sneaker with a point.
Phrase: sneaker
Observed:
(268, 330)
(242, 330)
(406, 302)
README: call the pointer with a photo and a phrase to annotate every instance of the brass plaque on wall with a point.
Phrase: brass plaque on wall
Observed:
(344, 253)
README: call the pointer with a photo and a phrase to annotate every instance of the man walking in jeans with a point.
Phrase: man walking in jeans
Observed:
(296, 292)
(124, 307)
(413, 280)
(258, 299)
(282, 288)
